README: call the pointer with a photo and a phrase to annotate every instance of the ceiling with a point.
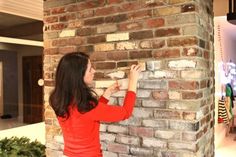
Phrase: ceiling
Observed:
(21, 19)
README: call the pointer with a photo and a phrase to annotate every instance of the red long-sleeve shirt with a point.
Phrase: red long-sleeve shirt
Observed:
(81, 131)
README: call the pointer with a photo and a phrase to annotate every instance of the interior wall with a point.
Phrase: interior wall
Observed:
(10, 82)
(24, 51)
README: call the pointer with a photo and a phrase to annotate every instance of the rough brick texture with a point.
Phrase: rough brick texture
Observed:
(172, 39)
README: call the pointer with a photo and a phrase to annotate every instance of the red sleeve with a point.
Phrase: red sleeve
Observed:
(108, 113)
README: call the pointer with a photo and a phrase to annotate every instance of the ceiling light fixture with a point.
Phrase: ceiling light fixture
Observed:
(231, 16)
(21, 41)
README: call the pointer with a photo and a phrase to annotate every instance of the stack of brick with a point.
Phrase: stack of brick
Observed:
(173, 39)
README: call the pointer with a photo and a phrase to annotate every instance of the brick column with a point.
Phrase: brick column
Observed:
(173, 39)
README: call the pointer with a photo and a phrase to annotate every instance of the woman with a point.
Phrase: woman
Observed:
(79, 112)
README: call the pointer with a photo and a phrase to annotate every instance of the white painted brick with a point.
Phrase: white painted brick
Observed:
(99, 92)
(153, 103)
(103, 127)
(182, 64)
(116, 75)
(123, 83)
(59, 139)
(174, 95)
(117, 129)
(107, 137)
(104, 83)
(106, 28)
(154, 65)
(128, 140)
(119, 93)
(193, 74)
(67, 33)
(117, 37)
(113, 101)
(142, 112)
(143, 65)
(152, 142)
(109, 154)
(164, 74)
(126, 45)
(185, 105)
(143, 93)
(167, 134)
(134, 121)
(160, 124)
(186, 146)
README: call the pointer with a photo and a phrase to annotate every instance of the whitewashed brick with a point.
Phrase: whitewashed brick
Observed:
(59, 139)
(104, 83)
(174, 95)
(117, 37)
(113, 101)
(134, 121)
(126, 45)
(154, 65)
(193, 74)
(107, 137)
(142, 151)
(164, 74)
(160, 124)
(67, 33)
(185, 105)
(128, 140)
(104, 47)
(142, 113)
(153, 84)
(106, 28)
(98, 91)
(117, 129)
(119, 94)
(109, 154)
(153, 142)
(142, 64)
(116, 75)
(153, 103)
(103, 127)
(143, 93)
(168, 134)
(182, 64)
(181, 145)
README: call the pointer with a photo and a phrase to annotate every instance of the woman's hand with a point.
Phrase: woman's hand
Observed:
(133, 77)
(111, 90)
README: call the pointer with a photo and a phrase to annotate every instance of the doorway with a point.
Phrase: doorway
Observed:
(32, 92)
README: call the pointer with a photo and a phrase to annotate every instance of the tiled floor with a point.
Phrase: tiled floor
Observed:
(10, 123)
(227, 148)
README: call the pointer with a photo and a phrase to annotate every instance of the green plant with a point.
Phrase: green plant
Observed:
(21, 147)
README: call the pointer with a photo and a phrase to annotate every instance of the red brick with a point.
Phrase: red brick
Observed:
(160, 95)
(155, 23)
(116, 18)
(88, 48)
(185, 85)
(67, 49)
(46, 13)
(165, 114)
(140, 14)
(96, 39)
(59, 10)
(67, 17)
(72, 8)
(170, 53)
(94, 21)
(130, 26)
(51, 19)
(59, 42)
(106, 11)
(193, 52)
(131, 6)
(203, 84)
(167, 32)
(105, 65)
(191, 95)
(85, 14)
(141, 131)
(156, 44)
(86, 31)
(98, 56)
(206, 54)
(58, 26)
(183, 41)
(114, 1)
(155, 3)
(51, 51)
(126, 63)
(141, 34)
(119, 55)
(140, 54)
(88, 4)
(118, 148)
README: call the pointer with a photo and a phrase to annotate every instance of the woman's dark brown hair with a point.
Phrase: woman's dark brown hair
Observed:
(70, 88)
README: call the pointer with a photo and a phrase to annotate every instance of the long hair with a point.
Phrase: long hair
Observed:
(70, 88)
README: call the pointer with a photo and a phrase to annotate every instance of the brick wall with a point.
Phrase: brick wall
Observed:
(173, 39)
